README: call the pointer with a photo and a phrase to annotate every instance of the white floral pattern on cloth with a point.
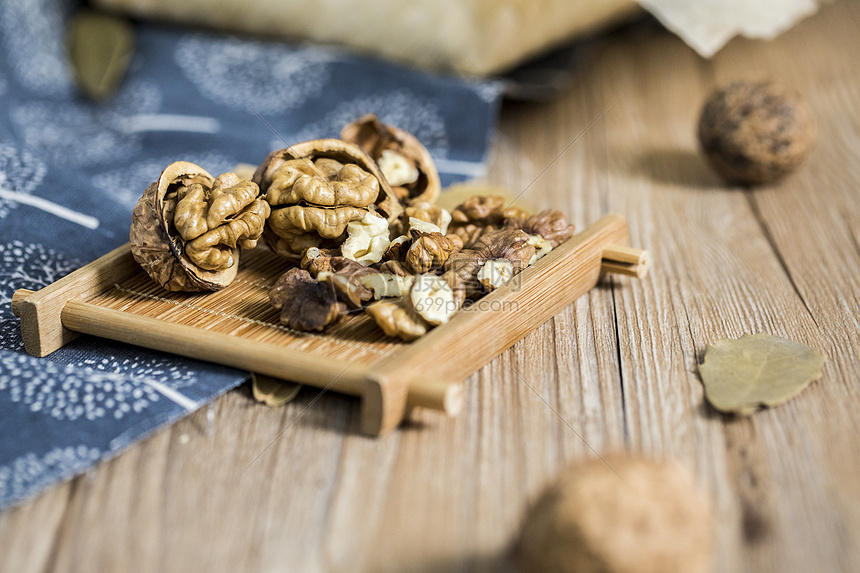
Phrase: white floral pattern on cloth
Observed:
(30, 266)
(269, 77)
(30, 473)
(33, 39)
(126, 185)
(85, 133)
(403, 108)
(20, 172)
(169, 371)
(65, 392)
(87, 163)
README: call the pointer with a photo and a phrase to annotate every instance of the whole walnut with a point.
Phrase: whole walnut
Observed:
(620, 514)
(403, 160)
(755, 133)
(315, 189)
(187, 228)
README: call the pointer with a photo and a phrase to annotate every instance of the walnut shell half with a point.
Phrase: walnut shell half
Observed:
(187, 227)
(377, 139)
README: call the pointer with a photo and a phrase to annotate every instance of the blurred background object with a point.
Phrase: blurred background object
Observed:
(470, 37)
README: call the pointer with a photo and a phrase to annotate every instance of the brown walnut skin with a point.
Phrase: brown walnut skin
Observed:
(755, 133)
(305, 303)
(461, 268)
(373, 137)
(549, 224)
(346, 278)
(621, 515)
(428, 251)
(295, 227)
(483, 214)
(157, 245)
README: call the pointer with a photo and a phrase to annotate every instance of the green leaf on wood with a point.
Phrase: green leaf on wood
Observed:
(757, 370)
(100, 49)
(273, 392)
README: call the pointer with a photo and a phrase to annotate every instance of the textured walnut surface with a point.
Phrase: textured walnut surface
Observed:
(187, 227)
(316, 189)
(756, 133)
(619, 514)
(305, 303)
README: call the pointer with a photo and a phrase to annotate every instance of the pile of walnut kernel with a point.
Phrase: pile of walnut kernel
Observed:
(358, 217)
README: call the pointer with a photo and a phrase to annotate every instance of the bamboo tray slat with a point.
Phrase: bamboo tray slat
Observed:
(113, 298)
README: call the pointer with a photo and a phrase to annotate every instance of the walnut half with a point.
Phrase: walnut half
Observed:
(405, 163)
(187, 228)
(316, 189)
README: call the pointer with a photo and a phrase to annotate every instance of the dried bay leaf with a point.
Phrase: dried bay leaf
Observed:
(100, 49)
(273, 392)
(757, 369)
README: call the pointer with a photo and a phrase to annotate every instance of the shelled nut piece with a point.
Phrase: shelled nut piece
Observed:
(315, 189)
(428, 251)
(406, 164)
(305, 303)
(367, 240)
(495, 274)
(482, 214)
(461, 269)
(397, 318)
(187, 228)
(549, 224)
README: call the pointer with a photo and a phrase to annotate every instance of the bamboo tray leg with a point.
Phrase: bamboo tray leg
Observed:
(41, 326)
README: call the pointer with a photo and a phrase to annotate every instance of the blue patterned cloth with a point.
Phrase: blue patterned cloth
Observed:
(71, 171)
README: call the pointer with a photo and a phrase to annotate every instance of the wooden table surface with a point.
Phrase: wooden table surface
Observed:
(298, 489)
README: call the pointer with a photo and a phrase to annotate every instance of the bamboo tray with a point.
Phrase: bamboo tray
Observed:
(113, 297)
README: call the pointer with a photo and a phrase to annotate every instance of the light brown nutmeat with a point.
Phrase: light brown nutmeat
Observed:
(397, 318)
(187, 227)
(754, 133)
(375, 138)
(479, 209)
(427, 212)
(549, 224)
(619, 514)
(482, 214)
(317, 188)
(428, 251)
(510, 244)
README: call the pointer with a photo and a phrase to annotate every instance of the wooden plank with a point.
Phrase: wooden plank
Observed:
(448, 494)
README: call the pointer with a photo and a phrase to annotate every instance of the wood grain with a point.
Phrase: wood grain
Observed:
(615, 370)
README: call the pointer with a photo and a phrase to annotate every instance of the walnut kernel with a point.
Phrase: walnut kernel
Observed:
(367, 239)
(187, 227)
(305, 303)
(398, 318)
(495, 274)
(432, 298)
